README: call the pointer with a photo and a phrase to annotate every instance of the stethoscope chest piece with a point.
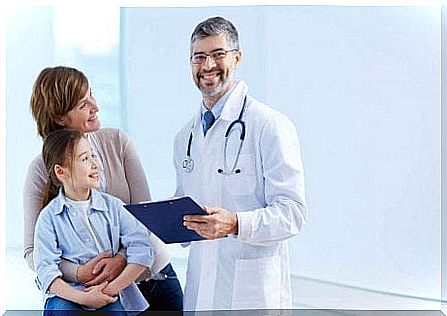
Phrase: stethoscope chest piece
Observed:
(188, 164)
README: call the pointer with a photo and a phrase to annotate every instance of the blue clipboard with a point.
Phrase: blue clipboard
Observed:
(165, 218)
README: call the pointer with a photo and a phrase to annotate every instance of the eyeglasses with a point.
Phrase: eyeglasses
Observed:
(200, 58)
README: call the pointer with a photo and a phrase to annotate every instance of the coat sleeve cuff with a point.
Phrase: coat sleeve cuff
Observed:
(244, 227)
(44, 285)
(69, 271)
(143, 256)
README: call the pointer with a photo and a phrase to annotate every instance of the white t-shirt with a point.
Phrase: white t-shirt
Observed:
(83, 208)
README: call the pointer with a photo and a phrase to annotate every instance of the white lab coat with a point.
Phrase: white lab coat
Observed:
(250, 270)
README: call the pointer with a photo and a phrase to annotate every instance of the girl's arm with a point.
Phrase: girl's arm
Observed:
(140, 254)
(130, 273)
(93, 297)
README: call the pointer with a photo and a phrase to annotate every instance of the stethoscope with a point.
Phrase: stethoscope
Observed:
(188, 163)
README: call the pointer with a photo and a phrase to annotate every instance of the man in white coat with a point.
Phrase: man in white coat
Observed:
(241, 160)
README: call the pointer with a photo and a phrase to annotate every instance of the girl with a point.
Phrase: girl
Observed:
(78, 224)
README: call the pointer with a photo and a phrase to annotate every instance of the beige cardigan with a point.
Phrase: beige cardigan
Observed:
(125, 180)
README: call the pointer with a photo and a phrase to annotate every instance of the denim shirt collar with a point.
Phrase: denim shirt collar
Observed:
(59, 204)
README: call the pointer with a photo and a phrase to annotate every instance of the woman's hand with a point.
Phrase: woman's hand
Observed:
(102, 268)
(95, 298)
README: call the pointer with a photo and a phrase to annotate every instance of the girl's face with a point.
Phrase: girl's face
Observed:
(83, 175)
(83, 116)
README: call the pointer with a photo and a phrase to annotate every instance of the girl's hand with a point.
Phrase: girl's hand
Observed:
(95, 298)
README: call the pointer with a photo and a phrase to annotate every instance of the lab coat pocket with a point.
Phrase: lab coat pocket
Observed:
(243, 180)
(257, 283)
(191, 182)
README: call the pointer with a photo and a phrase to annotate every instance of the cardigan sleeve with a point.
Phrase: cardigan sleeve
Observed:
(134, 172)
(32, 205)
(125, 176)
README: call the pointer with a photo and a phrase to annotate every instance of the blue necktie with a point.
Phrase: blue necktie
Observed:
(209, 120)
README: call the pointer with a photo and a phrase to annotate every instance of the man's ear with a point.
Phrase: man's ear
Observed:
(238, 58)
(61, 172)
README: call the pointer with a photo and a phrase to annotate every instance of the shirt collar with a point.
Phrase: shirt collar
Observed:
(60, 203)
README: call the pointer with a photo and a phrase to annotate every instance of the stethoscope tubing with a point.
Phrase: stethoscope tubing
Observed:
(188, 163)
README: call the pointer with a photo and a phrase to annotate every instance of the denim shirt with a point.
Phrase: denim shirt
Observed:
(61, 233)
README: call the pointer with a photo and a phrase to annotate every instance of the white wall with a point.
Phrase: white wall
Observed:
(361, 85)
(444, 160)
(30, 48)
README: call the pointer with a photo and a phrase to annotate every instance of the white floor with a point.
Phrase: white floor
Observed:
(22, 294)
(311, 294)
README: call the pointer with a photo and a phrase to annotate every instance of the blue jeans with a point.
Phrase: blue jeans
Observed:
(164, 294)
(56, 306)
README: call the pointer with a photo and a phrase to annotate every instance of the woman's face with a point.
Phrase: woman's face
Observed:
(83, 116)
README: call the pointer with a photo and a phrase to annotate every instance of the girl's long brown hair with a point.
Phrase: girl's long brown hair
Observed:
(58, 149)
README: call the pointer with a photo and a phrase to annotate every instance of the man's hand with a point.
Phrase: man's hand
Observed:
(218, 223)
(102, 268)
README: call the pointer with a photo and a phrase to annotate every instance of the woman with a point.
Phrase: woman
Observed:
(61, 98)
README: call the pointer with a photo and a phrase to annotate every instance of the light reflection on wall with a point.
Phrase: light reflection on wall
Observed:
(94, 29)
(87, 37)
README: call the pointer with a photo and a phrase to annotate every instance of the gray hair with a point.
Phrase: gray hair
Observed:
(214, 26)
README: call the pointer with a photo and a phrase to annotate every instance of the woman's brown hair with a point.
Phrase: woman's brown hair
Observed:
(56, 91)
(58, 149)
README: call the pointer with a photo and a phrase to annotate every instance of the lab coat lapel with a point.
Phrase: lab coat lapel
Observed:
(235, 101)
(230, 113)
(198, 129)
